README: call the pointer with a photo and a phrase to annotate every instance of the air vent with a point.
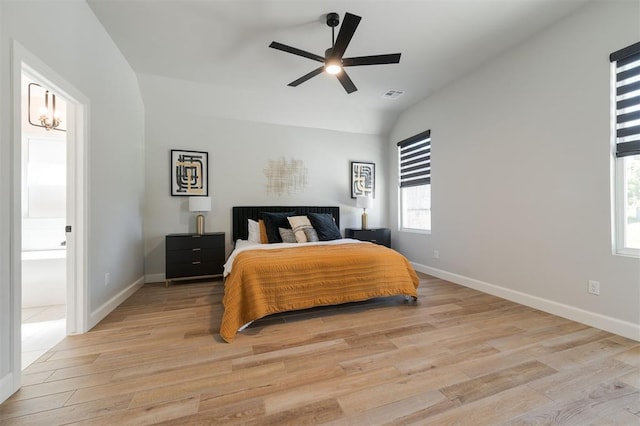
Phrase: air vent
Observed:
(393, 94)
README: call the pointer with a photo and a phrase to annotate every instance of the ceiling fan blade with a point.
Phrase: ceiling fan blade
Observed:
(348, 27)
(306, 77)
(392, 58)
(295, 51)
(346, 82)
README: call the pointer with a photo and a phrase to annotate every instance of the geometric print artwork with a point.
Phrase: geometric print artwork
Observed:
(363, 179)
(189, 173)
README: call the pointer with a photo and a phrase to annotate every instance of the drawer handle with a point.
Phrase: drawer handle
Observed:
(195, 249)
(195, 263)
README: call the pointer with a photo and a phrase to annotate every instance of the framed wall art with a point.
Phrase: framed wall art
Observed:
(189, 173)
(363, 179)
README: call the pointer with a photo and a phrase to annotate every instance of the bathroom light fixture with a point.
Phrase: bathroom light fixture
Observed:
(49, 118)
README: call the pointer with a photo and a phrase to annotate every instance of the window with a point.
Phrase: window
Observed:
(44, 183)
(626, 107)
(414, 156)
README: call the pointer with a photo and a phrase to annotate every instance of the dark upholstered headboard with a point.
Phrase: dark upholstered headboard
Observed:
(241, 215)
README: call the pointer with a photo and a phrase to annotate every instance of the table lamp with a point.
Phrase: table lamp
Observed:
(364, 203)
(200, 205)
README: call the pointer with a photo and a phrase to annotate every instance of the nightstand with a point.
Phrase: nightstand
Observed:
(380, 236)
(194, 255)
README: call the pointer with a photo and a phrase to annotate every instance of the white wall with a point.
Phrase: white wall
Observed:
(67, 37)
(7, 381)
(521, 173)
(238, 154)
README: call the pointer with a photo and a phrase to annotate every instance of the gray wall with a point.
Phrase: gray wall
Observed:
(69, 39)
(521, 172)
(239, 152)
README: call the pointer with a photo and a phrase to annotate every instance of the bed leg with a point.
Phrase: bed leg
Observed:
(413, 299)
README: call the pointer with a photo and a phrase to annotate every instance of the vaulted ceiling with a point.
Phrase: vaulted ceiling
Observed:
(223, 45)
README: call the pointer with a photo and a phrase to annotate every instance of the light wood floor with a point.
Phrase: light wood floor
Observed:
(457, 357)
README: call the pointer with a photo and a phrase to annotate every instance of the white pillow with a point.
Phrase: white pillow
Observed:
(254, 232)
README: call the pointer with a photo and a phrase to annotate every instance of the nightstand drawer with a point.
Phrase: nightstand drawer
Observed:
(380, 236)
(193, 269)
(194, 241)
(194, 255)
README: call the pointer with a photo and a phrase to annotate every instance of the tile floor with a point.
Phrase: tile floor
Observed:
(42, 328)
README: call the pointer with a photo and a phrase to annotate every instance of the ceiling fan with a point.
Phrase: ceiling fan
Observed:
(333, 62)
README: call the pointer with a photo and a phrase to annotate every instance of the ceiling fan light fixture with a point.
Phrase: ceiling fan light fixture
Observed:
(332, 67)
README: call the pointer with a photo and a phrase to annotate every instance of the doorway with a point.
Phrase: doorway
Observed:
(73, 229)
(44, 205)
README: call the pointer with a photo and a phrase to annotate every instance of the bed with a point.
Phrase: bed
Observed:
(262, 279)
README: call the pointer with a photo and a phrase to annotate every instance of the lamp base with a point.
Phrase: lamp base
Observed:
(200, 224)
(364, 220)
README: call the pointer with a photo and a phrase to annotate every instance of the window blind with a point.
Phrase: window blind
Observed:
(415, 160)
(627, 100)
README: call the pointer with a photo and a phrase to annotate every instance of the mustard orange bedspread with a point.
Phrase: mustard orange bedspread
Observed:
(264, 282)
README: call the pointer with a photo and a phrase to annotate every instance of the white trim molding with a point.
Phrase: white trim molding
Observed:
(603, 322)
(6, 387)
(154, 278)
(99, 314)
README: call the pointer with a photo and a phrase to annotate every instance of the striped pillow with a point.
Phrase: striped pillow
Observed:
(299, 224)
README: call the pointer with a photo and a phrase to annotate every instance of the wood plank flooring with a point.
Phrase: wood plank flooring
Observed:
(458, 356)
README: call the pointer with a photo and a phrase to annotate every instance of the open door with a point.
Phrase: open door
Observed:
(77, 317)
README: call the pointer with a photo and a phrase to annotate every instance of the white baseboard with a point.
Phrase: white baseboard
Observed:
(154, 278)
(98, 315)
(6, 387)
(612, 325)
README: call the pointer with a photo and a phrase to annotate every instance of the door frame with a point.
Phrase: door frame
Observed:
(77, 198)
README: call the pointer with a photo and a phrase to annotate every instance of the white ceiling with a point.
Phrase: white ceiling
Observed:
(224, 44)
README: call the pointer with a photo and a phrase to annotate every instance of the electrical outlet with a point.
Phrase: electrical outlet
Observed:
(107, 279)
(594, 287)
(436, 254)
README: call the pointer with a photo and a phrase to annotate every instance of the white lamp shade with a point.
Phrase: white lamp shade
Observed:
(199, 204)
(364, 202)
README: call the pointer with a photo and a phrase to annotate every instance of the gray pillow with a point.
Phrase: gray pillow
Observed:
(287, 235)
(273, 221)
(312, 235)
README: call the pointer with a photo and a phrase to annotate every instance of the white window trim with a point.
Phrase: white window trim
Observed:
(414, 140)
(400, 222)
(415, 231)
(619, 208)
(618, 183)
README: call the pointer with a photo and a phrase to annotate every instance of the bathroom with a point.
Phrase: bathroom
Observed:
(44, 179)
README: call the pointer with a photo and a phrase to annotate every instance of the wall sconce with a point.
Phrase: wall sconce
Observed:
(200, 205)
(49, 118)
